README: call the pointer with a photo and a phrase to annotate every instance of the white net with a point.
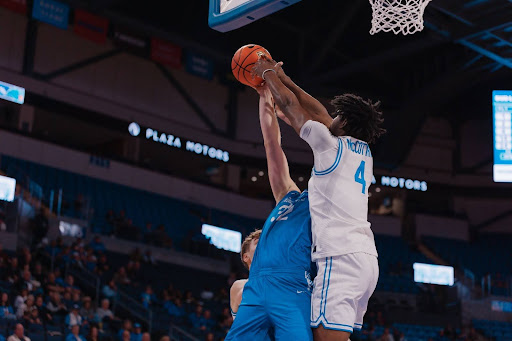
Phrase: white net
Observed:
(398, 16)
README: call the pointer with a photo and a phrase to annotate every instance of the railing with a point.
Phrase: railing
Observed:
(178, 334)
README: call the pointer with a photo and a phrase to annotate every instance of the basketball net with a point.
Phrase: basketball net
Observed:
(398, 16)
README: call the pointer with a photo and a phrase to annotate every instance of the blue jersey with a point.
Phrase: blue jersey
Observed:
(285, 241)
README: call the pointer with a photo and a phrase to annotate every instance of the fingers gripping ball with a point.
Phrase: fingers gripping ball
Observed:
(243, 62)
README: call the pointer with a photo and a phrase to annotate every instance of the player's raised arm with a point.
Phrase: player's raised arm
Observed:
(278, 170)
(284, 97)
(316, 110)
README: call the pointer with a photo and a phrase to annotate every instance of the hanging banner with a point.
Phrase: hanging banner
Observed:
(51, 12)
(166, 53)
(19, 6)
(130, 41)
(90, 26)
(199, 66)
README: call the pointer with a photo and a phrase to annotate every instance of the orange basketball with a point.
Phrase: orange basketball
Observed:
(243, 61)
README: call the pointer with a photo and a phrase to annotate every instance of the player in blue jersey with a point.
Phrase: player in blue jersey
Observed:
(278, 293)
(343, 243)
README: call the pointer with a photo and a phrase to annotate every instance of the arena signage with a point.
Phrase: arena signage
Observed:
(410, 184)
(176, 142)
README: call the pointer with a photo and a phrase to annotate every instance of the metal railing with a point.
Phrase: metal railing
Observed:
(178, 334)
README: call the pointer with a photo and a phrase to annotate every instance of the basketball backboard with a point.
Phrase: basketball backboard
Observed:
(227, 15)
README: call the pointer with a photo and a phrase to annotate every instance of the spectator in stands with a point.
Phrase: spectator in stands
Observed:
(189, 300)
(4, 257)
(210, 337)
(74, 317)
(56, 306)
(146, 337)
(87, 311)
(19, 334)
(38, 273)
(165, 338)
(12, 271)
(196, 318)
(208, 322)
(27, 281)
(127, 327)
(381, 321)
(137, 332)
(176, 310)
(33, 317)
(133, 271)
(6, 310)
(69, 285)
(126, 336)
(370, 333)
(51, 285)
(148, 258)
(402, 337)
(148, 297)
(75, 334)
(45, 315)
(104, 311)
(79, 206)
(20, 298)
(97, 245)
(93, 334)
(121, 276)
(161, 237)
(387, 336)
(102, 265)
(26, 306)
(110, 290)
(136, 255)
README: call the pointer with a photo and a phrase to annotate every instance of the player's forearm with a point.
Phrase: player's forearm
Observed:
(268, 123)
(316, 109)
(286, 101)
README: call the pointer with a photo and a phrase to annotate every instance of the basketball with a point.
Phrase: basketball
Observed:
(243, 62)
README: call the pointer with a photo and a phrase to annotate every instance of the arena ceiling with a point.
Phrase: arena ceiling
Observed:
(448, 70)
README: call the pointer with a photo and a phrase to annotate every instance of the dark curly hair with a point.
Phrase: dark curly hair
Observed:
(364, 119)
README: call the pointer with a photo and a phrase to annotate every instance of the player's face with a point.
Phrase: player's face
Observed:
(337, 126)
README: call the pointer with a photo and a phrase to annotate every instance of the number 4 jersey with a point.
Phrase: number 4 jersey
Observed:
(338, 193)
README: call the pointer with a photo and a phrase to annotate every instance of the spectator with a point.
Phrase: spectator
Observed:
(386, 336)
(20, 299)
(56, 306)
(43, 312)
(210, 337)
(380, 319)
(51, 285)
(402, 337)
(69, 284)
(93, 334)
(137, 332)
(176, 309)
(19, 334)
(121, 277)
(6, 310)
(132, 271)
(75, 334)
(208, 323)
(4, 257)
(127, 327)
(104, 311)
(38, 273)
(146, 337)
(196, 318)
(102, 265)
(126, 336)
(74, 317)
(136, 255)
(33, 317)
(148, 297)
(12, 271)
(26, 281)
(87, 311)
(370, 333)
(110, 290)
(149, 237)
(27, 306)
(97, 245)
(165, 338)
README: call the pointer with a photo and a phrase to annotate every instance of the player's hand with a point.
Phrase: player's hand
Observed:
(279, 69)
(262, 89)
(263, 64)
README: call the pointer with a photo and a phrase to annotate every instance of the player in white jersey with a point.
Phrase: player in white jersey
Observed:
(343, 243)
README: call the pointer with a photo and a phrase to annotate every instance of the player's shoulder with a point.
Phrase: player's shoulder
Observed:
(238, 285)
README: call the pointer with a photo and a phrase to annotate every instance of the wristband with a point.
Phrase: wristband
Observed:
(263, 74)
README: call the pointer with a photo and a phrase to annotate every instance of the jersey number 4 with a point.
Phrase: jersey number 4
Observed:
(359, 176)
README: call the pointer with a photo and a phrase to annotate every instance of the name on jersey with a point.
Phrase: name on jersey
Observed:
(359, 147)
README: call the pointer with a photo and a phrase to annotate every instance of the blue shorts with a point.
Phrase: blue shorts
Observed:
(270, 302)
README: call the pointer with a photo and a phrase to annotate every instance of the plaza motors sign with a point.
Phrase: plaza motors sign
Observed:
(176, 142)
(392, 181)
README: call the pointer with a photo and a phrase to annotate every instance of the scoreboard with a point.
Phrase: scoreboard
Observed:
(502, 136)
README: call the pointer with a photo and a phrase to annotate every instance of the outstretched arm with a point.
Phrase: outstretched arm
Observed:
(316, 110)
(284, 97)
(278, 170)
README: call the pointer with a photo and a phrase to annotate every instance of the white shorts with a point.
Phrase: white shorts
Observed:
(342, 288)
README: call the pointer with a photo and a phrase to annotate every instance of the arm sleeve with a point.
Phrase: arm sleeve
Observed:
(318, 136)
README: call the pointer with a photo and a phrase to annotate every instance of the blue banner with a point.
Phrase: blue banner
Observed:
(12, 93)
(502, 127)
(51, 12)
(199, 66)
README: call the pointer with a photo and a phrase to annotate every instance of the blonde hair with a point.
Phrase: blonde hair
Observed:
(255, 235)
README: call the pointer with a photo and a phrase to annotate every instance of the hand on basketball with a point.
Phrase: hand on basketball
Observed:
(263, 64)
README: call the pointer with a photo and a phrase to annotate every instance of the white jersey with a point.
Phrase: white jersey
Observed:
(338, 193)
